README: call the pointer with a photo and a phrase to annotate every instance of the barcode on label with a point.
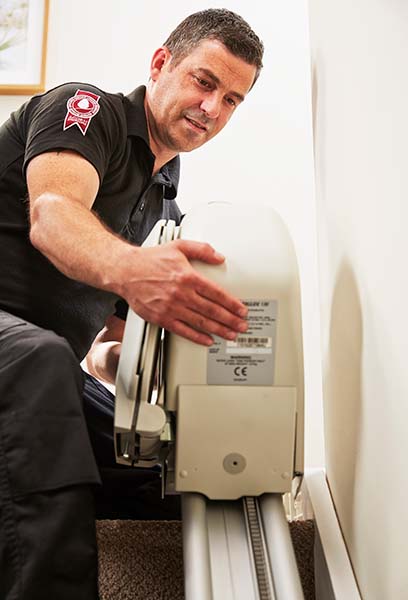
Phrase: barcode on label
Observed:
(251, 344)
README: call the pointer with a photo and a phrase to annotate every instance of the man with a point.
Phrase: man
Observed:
(84, 175)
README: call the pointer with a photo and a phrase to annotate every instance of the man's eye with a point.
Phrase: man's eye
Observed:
(231, 102)
(203, 82)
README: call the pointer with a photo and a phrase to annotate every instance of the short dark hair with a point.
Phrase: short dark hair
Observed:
(218, 24)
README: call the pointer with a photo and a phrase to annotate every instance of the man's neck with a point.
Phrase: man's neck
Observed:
(162, 154)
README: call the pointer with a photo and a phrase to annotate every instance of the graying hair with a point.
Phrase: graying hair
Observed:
(218, 24)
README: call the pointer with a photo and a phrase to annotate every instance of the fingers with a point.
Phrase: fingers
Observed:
(199, 251)
(205, 325)
(175, 325)
(168, 291)
(213, 318)
(234, 309)
(196, 326)
(207, 288)
(197, 321)
(182, 329)
(206, 306)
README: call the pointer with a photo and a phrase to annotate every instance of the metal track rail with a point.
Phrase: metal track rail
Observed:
(238, 550)
(259, 550)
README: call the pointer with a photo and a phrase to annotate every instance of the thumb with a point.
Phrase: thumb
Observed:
(199, 251)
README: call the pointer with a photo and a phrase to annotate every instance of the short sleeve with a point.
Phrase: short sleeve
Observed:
(77, 117)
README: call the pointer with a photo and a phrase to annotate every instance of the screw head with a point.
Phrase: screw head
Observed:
(234, 463)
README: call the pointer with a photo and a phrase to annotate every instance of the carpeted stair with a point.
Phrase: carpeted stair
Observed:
(142, 560)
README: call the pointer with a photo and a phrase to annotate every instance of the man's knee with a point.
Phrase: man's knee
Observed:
(42, 425)
(52, 352)
(39, 373)
(36, 350)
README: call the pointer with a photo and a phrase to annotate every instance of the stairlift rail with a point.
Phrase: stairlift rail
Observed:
(221, 562)
(258, 548)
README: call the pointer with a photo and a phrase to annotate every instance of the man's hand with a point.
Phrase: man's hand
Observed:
(165, 289)
(158, 283)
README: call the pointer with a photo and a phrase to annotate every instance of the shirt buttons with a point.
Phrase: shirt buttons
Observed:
(141, 207)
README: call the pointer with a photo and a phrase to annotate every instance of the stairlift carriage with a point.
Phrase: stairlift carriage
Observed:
(226, 422)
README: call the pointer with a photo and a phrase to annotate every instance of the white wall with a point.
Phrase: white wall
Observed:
(263, 156)
(360, 89)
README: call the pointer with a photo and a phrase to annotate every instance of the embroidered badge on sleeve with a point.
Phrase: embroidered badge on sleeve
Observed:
(81, 108)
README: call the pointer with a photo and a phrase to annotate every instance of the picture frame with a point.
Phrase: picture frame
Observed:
(23, 46)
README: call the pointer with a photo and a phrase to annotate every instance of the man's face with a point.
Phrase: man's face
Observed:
(188, 104)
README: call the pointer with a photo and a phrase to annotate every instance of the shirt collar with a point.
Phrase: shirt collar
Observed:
(169, 174)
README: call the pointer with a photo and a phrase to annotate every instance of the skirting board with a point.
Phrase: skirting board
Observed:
(334, 576)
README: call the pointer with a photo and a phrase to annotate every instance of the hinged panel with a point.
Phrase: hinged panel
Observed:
(235, 441)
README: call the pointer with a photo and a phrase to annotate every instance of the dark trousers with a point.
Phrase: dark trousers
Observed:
(57, 469)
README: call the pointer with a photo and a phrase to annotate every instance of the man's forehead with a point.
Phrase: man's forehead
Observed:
(213, 49)
(214, 59)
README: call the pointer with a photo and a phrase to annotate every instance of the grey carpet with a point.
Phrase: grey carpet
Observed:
(142, 560)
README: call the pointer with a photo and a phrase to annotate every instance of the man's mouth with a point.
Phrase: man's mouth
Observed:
(196, 124)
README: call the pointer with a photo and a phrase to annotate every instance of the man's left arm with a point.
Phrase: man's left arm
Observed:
(103, 356)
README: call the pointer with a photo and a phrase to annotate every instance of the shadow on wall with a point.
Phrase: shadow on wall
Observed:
(343, 397)
(319, 118)
(342, 393)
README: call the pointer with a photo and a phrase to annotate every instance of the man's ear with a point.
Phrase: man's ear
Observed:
(160, 59)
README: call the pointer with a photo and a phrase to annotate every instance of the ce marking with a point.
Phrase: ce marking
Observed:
(240, 371)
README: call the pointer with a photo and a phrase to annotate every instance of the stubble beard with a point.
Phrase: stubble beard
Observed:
(177, 136)
(180, 138)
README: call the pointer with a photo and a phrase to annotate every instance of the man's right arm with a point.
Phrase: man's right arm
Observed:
(158, 283)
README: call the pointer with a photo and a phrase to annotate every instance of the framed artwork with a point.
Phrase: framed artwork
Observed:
(23, 45)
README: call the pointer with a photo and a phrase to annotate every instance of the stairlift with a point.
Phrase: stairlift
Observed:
(225, 422)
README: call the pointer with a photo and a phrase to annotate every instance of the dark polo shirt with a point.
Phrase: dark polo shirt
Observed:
(110, 131)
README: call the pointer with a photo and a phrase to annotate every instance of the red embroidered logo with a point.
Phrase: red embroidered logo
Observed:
(81, 108)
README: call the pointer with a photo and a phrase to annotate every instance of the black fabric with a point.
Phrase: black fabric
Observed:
(47, 469)
(42, 426)
(121, 309)
(129, 202)
(51, 549)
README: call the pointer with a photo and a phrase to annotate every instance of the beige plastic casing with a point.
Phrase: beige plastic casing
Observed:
(235, 441)
(260, 264)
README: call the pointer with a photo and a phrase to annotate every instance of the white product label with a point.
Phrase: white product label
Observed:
(250, 358)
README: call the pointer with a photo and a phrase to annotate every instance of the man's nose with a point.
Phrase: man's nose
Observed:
(211, 105)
